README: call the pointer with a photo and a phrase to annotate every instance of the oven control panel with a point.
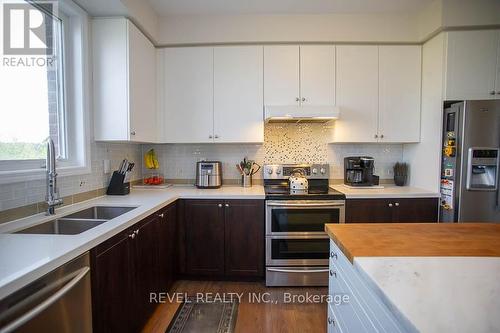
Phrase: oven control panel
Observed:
(284, 171)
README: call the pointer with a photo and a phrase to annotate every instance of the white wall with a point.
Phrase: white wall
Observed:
(470, 12)
(425, 157)
(140, 11)
(288, 28)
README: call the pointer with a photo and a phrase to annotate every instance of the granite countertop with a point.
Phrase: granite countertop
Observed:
(389, 191)
(439, 277)
(26, 257)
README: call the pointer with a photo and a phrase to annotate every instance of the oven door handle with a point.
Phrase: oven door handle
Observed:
(282, 270)
(319, 204)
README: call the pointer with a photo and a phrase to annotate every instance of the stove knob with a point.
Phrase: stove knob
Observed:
(270, 171)
(323, 171)
(314, 171)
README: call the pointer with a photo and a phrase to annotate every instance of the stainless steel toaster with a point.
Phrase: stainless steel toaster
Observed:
(208, 174)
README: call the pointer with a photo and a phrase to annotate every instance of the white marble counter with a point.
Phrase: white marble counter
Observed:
(438, 294)
(389, 191)
(26, 257)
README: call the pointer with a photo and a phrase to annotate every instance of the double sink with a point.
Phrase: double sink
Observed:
(78, 222)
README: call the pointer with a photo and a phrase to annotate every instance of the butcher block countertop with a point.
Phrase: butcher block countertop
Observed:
(416, 239)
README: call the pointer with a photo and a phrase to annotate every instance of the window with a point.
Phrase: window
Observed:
(33, 101)
(43, 96)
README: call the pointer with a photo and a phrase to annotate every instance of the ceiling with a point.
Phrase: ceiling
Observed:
(241, 7)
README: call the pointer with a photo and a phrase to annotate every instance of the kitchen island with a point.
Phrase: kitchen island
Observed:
(418, 277)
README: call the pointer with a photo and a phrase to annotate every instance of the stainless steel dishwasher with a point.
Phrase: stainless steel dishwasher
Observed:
(60, 301)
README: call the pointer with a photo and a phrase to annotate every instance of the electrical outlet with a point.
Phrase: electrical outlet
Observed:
(107, 166)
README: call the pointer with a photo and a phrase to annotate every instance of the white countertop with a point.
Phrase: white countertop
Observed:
(26, 257)
(438, 294)
(389, 191)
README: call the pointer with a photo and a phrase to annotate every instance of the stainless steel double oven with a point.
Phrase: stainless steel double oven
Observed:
(297, 246)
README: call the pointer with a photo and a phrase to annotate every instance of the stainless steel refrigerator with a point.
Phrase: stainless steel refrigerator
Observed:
(470, 162)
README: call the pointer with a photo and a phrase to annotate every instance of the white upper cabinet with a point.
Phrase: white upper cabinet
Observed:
(399, 93)
(317, 75)
(299, 75)
(212, 94)
(281, 75)
(187, 91)
(124, 82)
(357, 94)
(238, 94)
(142, 87)
(378, 93)
(472, 65)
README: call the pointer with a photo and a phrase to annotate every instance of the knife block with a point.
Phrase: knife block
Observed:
(119, 184)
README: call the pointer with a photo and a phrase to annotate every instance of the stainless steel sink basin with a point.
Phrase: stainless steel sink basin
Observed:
(78, 222)
(100, 213)
(62, 226)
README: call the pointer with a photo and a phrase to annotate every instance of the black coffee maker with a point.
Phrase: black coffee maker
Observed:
(358, 171)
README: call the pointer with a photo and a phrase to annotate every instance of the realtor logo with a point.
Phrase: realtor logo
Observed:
(28, 28)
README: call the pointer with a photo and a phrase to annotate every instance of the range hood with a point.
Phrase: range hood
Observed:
(300, 114)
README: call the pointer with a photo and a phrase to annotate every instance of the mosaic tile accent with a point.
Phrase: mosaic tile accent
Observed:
(296, 143)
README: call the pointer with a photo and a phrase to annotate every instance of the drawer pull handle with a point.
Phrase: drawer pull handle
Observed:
(162, 215)
(331, 321)
(390, 205)
(333, 255)
(397, 204)
(332, 273)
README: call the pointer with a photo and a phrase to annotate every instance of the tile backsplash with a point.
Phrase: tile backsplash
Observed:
(283, 143)
(25, 193)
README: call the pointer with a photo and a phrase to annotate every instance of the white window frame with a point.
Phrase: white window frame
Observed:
(76, 103)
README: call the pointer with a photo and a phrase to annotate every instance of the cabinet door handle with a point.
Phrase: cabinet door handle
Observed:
(303, 99)
(132, 235)
(376, 136)
(498, 92)
(492, 92)
(397, 204)
(132, 133)
(227, 205)
(210, 137)
(390, 205)
(297, 99)
(136, 232)
(162, 215)
(220, 205)
(216, 136)
(382, 136)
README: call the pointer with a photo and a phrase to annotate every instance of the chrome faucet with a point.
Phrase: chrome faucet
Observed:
(53, 199)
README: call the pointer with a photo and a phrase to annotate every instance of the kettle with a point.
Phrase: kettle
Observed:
(298, 182)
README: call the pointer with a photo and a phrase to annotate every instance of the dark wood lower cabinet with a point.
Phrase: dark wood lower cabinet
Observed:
(111, 293)
(405, 210)
(244, 238)
(218, 238)
(127, 268)
(167, 228)
(204, 225)
(223, 238)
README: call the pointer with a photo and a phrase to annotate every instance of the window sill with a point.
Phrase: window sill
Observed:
(8, 177)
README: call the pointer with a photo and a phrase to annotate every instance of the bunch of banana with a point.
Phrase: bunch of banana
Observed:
(150, 160)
